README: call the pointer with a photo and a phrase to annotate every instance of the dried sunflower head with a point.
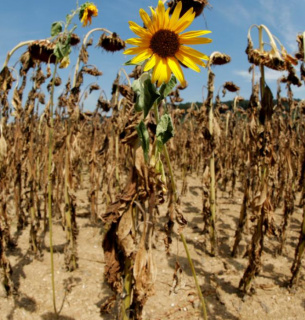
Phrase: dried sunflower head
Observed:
(197, 5)
(230, 86)
(219, 59)
(274, 58)
(111, 42)
(42, 50)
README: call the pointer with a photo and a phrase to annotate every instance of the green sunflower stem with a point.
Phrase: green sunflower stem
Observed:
(174, 189)
(127, 288)
(204, 310)
(213, 234)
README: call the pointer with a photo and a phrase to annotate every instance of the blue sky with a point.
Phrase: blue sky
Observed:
(229, 22)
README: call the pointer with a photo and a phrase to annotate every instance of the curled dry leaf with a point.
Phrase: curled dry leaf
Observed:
(125, 239)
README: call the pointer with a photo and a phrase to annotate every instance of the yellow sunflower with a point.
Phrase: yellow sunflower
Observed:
(88, 10)
(163, 44)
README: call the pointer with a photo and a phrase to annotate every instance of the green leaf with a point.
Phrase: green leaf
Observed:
(128, 63)
(166, 88)
(63, 49)
(144, 138)
(146, 92)
(56, 28)
(165, 131)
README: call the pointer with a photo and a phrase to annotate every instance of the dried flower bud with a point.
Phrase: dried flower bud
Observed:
(94, 87)
(293, 78)
(136, 73)
(74, 40)
(125, 90)
(103, 104)
(197, 5)
(302, 71)
(180, 87)
(230, 86)
(223, 108)
(92, 71)
(300, 54)
(218, 58)
(27, 62)
(111, 42)
(57, 83)
(6, 79)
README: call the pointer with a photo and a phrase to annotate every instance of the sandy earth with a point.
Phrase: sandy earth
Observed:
(80, 294)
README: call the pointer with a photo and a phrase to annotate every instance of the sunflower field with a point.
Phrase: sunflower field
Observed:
(144, 207)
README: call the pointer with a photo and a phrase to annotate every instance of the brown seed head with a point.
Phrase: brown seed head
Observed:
(43, 51)
(165, 43)
(266, 58)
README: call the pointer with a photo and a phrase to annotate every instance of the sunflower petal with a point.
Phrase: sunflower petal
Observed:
(195, 41)
(166, 19)
(142, 56)
(138, 42)
(188, 61)
(185, 21)
(139, 31)
(176, 69)
(154, 76)
(134, 50)
(146, 19)
(153, 17)
(151, 63)
(175, 15)
(193, 34)
(192, 52)
(160, 12)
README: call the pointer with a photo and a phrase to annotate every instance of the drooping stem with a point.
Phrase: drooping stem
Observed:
(21, 44)
(83, 45)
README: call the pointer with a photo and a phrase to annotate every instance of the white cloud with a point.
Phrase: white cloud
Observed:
(270, 75)
(277, 14)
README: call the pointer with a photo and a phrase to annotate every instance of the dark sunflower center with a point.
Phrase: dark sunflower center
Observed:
(165, 43)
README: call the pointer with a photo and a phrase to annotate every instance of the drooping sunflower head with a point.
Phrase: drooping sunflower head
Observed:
(87, 11)
(163, 46)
